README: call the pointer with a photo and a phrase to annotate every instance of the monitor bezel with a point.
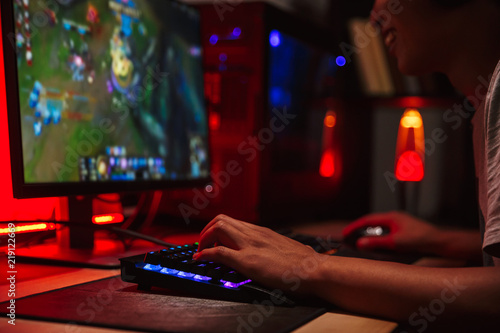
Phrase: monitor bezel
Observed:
(23, 190)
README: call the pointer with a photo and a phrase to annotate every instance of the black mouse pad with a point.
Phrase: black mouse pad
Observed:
(113, 303)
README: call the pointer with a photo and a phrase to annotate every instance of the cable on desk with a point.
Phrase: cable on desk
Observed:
(115, 230)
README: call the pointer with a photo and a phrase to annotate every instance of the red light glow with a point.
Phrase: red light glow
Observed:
(410, 148)
(27, 209)
(330, 119)
(108, 218)
(24, 228)
(412, 119)
(214, 121)
(410, 167)
(327, 166)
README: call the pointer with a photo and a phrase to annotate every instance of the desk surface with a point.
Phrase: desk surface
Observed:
(37, 279)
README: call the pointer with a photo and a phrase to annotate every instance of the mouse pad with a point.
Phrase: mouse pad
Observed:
(113, 303)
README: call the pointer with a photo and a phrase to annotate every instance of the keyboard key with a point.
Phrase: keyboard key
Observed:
(216, 274)
(233, 277)
(170, 261)
(187, 265)
(152, 258)
(200, 269)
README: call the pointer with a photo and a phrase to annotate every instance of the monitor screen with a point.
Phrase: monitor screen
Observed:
(104, 96)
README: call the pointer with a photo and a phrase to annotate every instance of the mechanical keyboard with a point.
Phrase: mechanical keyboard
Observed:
(174, 268)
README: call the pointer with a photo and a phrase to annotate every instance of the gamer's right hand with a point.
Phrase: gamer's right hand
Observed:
(406, 233)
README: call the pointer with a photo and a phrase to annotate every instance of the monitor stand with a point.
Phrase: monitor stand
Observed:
(77, 246)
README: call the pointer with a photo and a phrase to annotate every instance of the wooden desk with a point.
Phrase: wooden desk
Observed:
(329, 322)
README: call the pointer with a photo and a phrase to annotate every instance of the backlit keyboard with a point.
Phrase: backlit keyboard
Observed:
(174, 269)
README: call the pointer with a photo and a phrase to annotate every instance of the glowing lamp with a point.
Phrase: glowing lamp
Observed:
(31, 227)
(214, 121)
(341, 61)
(410, 148)
(275, 38)
(327, 163)
(330, 119)
(108, 218)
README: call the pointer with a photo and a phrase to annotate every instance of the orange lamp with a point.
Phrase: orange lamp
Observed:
(410, 148)
(327, 164)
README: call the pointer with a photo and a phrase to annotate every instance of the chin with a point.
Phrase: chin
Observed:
(413, 69)
(413, 66)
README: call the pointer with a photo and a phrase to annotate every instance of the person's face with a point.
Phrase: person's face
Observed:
(413, 32)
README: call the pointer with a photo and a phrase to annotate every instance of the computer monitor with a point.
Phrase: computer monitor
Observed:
(104, 96)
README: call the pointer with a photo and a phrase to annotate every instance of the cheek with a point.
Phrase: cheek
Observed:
(415, 55)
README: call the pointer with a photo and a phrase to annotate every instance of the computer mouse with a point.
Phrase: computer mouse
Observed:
(372, 231)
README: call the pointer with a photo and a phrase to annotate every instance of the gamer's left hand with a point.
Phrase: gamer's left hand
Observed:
(261, 254)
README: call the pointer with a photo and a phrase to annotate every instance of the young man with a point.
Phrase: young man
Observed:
(461, 39)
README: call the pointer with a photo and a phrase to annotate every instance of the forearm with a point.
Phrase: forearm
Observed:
(397, 291)
(457, 244)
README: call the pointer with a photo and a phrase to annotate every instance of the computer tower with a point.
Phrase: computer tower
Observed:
(272, 82)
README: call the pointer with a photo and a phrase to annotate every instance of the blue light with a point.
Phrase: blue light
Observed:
(341, 61)
(237, 32)
(275, 38)
(214, 39)
(233, 285)
(202, 278)
(185, 274)
(279, 97)
(190, 276)
(223, 57)
(169, 271)
(150, 267)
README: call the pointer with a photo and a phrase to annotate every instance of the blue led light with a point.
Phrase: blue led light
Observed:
(169, 271)
(189, 276)
(275, 38)
(341, 61)
(223, 57)
(214, 39)
(150, 267)
(202, 278)
(233, 285)
(237, 32)
(186, 275)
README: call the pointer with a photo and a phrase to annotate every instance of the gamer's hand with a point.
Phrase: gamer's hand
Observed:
(259, 253)
(407, 233)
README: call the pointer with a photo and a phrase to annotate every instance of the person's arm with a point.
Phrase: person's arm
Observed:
(390, 290)
(410, 234)
(407, 293)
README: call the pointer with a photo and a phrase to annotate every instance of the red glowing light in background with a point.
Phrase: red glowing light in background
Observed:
(108, 218)
(214, 121)
(410, 148)
(327, 165)
(410, 167)
(330, 119)
(28, 227)
(12, 209)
